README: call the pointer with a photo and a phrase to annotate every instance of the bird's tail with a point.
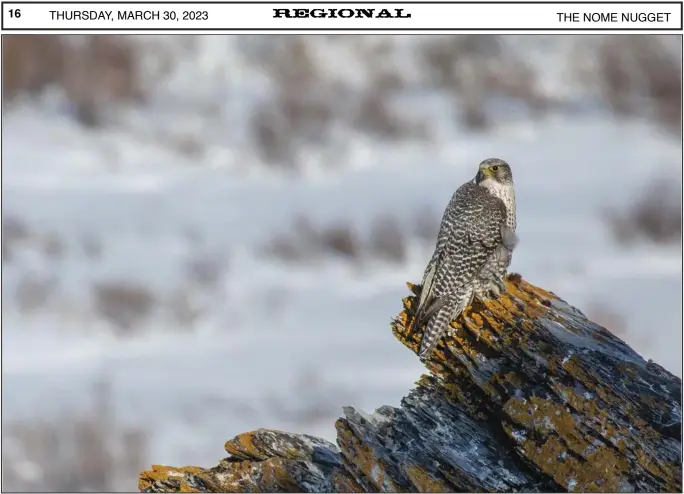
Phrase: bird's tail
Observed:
(441, 320)
(426, 296)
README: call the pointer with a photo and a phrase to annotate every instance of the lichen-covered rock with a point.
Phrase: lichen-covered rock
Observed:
(525, 394)
(261, 461)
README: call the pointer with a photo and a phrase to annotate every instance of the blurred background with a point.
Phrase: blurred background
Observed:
(203, 235)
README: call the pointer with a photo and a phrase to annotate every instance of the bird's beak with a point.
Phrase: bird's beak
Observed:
(482, 173)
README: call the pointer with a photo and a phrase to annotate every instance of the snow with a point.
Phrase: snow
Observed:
(276, 339)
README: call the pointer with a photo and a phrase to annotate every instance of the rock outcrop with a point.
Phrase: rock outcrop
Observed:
(526, 394)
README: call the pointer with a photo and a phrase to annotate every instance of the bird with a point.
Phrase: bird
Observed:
(473, 251)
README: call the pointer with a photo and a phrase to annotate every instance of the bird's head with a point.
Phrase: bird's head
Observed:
(494, 169)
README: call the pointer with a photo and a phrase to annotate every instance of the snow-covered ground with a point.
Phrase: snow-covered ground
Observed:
(275, 341)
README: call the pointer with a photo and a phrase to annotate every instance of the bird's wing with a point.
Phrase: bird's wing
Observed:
(508, 238)
(446, 233)
(426, 311)
(476, 219)
(426, 300)
(481, 218)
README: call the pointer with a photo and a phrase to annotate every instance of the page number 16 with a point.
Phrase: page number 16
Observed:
(15, 13)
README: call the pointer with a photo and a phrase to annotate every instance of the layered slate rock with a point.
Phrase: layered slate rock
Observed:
(525, 394)
(260, 461)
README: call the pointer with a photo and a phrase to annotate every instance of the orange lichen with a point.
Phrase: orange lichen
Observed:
(463, 345)
(184, 487)
(469, 396)
(493, 323)
(413, 287)
(361, 455)
(484, 338)
(277, 477)
(267, 443)
(239, 476)
(163, 473)
(243, 446)
(531, 291)
(545, 417)
(344, 482)
(600, 419)
(671, 473)
(508, 378)
(603, 469)
(424, 481)
(573, 366)
(477, 319)
(653, 403)
(602, 472)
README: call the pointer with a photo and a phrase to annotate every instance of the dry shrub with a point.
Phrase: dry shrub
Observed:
(14, 229)
(52, 245)
(7, 252)
(189, 145)
(635, 68)
(103, 70)
(340, 239)
(123, 304)
(283, 247)
(474, 68)
(308, 104)
(376, 115)
(34, 292)
(656, 216)
(615, 76)
(306, 242)
(302, 106)
(301, 243)
(14, 232)
(86, 453)
(32, 62)
(15, 235)
(91, 70)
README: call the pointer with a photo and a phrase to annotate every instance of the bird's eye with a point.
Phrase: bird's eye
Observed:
(495, 167)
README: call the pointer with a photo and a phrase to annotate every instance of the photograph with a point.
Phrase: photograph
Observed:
(306, 262)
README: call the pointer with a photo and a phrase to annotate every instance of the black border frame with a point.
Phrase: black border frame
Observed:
(342, 29)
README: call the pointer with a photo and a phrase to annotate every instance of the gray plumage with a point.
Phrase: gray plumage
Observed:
(474, 247)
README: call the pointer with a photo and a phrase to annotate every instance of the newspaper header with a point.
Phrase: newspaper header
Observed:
(341, 16)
